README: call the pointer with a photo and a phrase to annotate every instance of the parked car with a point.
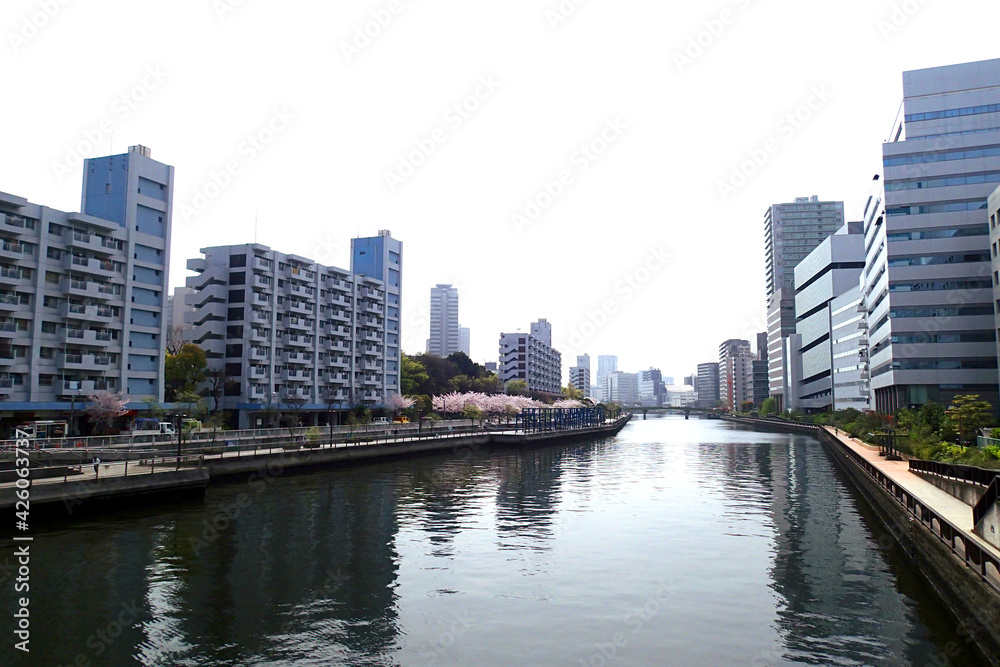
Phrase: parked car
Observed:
(381, 420)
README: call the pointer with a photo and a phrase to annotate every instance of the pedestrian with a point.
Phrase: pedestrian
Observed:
(97, 465)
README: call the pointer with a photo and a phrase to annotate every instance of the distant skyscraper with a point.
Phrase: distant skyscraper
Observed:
(465, 341)
(583, 361)
(708, 385)
(525, 357)
(445, 334)
(606, 365)
(542, 330)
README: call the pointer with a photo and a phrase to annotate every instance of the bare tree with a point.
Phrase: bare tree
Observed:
(175, 340)
(217, 379)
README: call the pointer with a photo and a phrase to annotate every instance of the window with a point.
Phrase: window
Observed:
(48, 327)
(238, 278)
(235, 314)
(237, 261)
(237, 296)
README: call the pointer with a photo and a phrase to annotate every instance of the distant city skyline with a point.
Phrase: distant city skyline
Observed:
(294, 167)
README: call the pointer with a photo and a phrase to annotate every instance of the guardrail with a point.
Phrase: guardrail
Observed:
(986, 502)
(962, 545)
(155, 438)
(969, 474)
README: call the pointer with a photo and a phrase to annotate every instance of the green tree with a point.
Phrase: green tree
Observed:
(967, 414)
(413, 375)
(769, 406)
(572, 393)
(184, 371)
(517, 387)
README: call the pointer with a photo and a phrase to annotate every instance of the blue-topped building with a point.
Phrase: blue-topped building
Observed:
(83, 295)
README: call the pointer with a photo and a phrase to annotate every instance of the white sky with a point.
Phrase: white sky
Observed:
(225, 69)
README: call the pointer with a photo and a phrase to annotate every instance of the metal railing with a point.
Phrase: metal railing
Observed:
(969, 474)
(962, 545)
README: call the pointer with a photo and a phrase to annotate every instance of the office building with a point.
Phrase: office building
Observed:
(606, 365)
(735, 373)
(829, 271)
(381, 258)
(849, 349)
(652, 388)
(780, 325)
(927, 288)
(445, 336)
(465, 341)
(623, 388)
(707, 386)
(993, 209)
(83, 294)
(288, 331)
(525, 357)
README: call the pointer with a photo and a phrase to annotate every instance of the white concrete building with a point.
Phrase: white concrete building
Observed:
(525, 357)
(287, 330)
(735, 373)
(623, 388)
(83, 295)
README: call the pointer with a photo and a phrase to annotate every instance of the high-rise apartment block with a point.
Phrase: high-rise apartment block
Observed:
(791, 231)
(83, 295)
(927, 288)
(381, 257)
(735, 373)
(465, 341)
(287, 330)
(445, 336)
(606, 365)
(579, 375)
(525, 357)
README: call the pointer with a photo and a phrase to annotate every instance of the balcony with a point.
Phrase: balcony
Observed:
(297, 358)
(84, 362)
(6, 386)
(372, 380)
(91, 313)
(296, 376)
(15, 250)
(93, 337)
(80, 388)
(12, 275)
(296, 393)
(373, 336)
(262, 282)
(260, 335)
(14, 224)
(338, 346)
(300, 308)
(98, 267)
(373, 308)
(298, 341)
(258, 372)
(10, 301)
(262, 264)
(372, 366)
(257, 392)
(298, 324)
(260, 299)
(260, 317)
(336, 361)
(9, 330)
(300, 290)
(259, 354)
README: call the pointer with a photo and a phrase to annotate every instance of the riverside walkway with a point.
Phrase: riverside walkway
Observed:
(155, 472)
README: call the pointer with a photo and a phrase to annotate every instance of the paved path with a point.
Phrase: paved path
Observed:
(946, 505)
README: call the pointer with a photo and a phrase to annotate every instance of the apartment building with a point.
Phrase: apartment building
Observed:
(83, 295)
(291, 332)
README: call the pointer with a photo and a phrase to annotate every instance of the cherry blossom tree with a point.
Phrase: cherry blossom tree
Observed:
(105, 408)
(397, 403)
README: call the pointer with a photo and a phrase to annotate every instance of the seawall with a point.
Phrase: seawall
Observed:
(943, 553)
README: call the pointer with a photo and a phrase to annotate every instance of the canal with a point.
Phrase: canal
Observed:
(675, 543)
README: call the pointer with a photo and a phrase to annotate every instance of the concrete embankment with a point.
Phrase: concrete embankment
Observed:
(939, 539)
(89, 490)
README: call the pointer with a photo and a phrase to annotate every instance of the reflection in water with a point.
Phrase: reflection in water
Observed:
(678, 542)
